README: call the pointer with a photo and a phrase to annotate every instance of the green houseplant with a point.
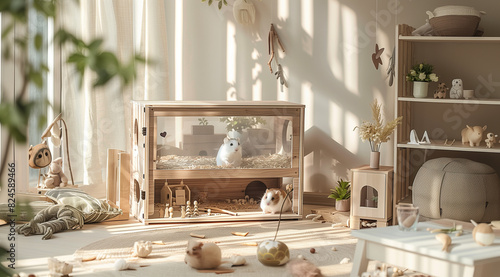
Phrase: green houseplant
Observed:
(342, 195)
(235, 125)
(240, 123)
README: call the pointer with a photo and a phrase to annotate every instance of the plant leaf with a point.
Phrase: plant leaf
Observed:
(38, 41)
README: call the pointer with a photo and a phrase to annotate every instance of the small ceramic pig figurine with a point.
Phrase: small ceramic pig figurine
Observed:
(473, 135)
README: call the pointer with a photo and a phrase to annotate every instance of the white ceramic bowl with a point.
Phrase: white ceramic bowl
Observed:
(454, 10)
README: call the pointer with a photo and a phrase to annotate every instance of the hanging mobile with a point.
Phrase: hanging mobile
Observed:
(390, 69)
(270, 42)
(376, 56)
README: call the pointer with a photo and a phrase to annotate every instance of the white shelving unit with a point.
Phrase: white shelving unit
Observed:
(476, 61)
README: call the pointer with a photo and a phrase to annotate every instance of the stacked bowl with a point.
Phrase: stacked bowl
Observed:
(460, 21)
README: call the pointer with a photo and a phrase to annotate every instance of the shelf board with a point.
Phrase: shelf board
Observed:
(451, 101)
(450, 39)
(457, 146)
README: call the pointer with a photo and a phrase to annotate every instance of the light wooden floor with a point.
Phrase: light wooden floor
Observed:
(65, 243)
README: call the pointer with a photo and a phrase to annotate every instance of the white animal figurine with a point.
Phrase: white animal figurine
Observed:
(273, 199)
(473, 135)
(490, 140)
(457, 90)
(229, 154)
(201, 255)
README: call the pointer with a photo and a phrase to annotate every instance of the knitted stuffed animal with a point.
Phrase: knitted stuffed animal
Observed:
(51, 220)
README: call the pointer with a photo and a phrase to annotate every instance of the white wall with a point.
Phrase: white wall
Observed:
(327, 62)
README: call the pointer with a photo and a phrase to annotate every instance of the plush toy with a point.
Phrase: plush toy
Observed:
(51, 220)
(55, 177)
(39, 156)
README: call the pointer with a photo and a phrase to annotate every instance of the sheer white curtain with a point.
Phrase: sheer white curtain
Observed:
(99, 119)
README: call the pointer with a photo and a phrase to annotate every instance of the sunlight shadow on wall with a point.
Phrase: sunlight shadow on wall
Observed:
(334, 59)
(352, 138)
(283, 8)
(307, 23)
(231, 59)
(351, 51)
(335, 118)
(308, 100)
(178, 49)
(256, 71)
(307, 17)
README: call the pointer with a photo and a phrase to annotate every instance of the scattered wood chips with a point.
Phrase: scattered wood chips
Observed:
(205, 162)
(241, 234)
(197, 236)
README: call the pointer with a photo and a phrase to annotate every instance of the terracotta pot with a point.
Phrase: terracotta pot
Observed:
(343, 205)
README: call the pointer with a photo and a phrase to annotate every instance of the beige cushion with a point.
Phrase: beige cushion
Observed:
(93, 209)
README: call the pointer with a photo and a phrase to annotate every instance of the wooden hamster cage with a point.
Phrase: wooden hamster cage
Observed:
(173, 159)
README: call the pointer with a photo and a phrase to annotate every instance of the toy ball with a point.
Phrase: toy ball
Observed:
(273, 253)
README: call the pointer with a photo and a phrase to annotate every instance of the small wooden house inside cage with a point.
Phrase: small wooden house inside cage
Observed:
(223, 166)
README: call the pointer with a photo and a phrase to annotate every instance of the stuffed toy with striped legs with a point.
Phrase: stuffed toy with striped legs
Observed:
(53, 219)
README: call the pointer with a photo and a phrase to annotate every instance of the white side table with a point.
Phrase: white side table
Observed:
(420, 251)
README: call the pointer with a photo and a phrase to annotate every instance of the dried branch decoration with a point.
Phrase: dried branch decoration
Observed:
(376, 132)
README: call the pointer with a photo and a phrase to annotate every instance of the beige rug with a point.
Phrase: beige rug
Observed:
(168, 259)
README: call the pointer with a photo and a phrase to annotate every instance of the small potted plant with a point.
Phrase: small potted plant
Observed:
(202, 128)
(421, 74)
(342, 195)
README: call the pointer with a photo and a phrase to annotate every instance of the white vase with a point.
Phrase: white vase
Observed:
(420, 89)
(374, 159)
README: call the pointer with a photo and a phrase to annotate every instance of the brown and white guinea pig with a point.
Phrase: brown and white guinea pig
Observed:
(273, 199)
(229, 154)
(201, 255)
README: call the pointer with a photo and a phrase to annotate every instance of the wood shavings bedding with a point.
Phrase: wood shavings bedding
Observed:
(205, 162)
